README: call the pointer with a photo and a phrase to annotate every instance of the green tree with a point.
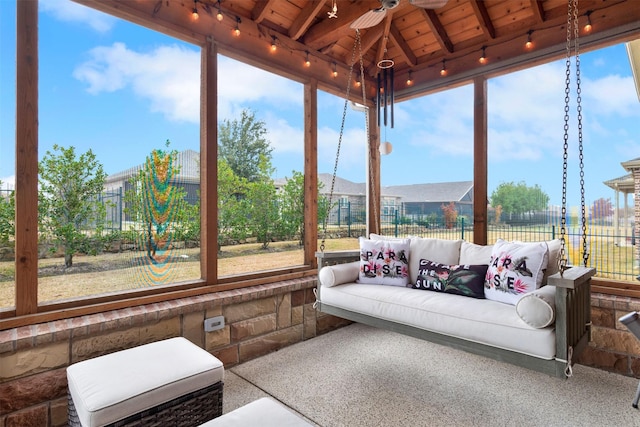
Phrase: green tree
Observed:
(262, 204)
(7, 215)
(70, 209)
(232, 210)
(242, 144)
(517, 199)
(292, 208)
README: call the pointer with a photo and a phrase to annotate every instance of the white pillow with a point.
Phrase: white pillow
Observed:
(437, 250)
(554, 253)
(538, 308)
(332, 275)
(384, 262)
(471, 253)
(515, 269)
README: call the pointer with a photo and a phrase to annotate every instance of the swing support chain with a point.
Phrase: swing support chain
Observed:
(357, 44)
(572, 48)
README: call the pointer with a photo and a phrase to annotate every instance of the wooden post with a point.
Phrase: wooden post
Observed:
(26, 196)
(209, 162)
(310, 172)
(480, 160)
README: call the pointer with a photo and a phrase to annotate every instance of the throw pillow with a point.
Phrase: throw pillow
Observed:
(384, 262)
(465, 280)
(515, 269)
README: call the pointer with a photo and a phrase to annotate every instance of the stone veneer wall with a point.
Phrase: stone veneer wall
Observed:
(258, 320)
(612, 347)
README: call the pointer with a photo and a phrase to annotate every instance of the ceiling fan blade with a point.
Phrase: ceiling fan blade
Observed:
(429, 4)
(369, 19)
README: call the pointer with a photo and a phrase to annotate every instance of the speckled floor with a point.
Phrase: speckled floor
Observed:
(362, 376)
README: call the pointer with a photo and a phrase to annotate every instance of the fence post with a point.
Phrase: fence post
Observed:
(553, 232)
(396, 221)
(349, 218)
(339, 206)
(462, 225)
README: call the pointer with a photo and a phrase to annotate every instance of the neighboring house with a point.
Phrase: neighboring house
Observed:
(426, 199)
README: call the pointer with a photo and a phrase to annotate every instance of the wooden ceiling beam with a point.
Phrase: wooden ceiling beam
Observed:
(482, 14)
(384, 41)
(328, 31)
(538, 11)
(438, 29)
(305, 19)
(261, 10)
(405, 51)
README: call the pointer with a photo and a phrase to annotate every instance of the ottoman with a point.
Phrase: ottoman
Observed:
(264, 412)
(170, 382)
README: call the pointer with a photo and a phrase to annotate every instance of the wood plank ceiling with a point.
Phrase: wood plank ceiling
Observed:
(420, 41)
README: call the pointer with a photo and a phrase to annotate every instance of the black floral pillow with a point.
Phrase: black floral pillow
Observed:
(465, 280)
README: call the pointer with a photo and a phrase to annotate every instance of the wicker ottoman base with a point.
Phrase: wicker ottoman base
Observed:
(167, 383)
(189, 410)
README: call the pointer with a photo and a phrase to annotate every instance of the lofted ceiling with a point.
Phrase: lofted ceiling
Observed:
(420, 41)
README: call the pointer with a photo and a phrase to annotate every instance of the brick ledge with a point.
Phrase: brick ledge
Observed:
(60, 330)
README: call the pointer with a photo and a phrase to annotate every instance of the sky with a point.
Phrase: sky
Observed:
(122, 90)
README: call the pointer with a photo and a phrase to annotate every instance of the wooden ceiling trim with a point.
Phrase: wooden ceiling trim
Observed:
(438, 29)
(304, 20)
(482, 14)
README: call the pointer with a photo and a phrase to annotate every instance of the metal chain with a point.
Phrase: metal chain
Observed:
(585, 252)
(344, 116)
(562, 260)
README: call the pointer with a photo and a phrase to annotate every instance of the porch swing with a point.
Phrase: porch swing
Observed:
(566, 294)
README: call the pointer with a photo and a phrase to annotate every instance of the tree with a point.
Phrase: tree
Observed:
(601, 208)
(450, 214)
(232, 210)
(70, 208)
(242, 144)
(262, 204)
(516, 199)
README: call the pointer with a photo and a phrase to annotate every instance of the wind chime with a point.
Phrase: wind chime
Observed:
(385, 90)
(385, 98)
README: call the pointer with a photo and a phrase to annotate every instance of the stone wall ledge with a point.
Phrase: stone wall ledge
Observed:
(25, 337)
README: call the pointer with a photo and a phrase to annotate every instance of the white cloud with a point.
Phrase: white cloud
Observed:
(69, 11)
(169, 77)
(611, 95)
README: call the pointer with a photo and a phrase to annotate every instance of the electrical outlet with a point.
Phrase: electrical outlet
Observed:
(213, 323)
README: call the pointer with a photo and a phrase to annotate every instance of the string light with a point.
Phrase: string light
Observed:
(529, 43)
(307, 63)
(409, 79)
(194, 12)
(273, 44)
(443, 72)
(335, 70)
(219, 16)
(236, 30)
(588, 27)
(483, 57)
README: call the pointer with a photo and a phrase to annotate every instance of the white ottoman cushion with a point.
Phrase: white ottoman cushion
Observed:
(114, 386)
(264, 412)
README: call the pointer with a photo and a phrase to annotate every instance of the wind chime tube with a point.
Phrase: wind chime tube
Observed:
(391, 94)
(378, 100)
(386, 93)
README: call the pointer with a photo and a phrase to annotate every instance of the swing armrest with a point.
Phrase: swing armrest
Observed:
(336, 257)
